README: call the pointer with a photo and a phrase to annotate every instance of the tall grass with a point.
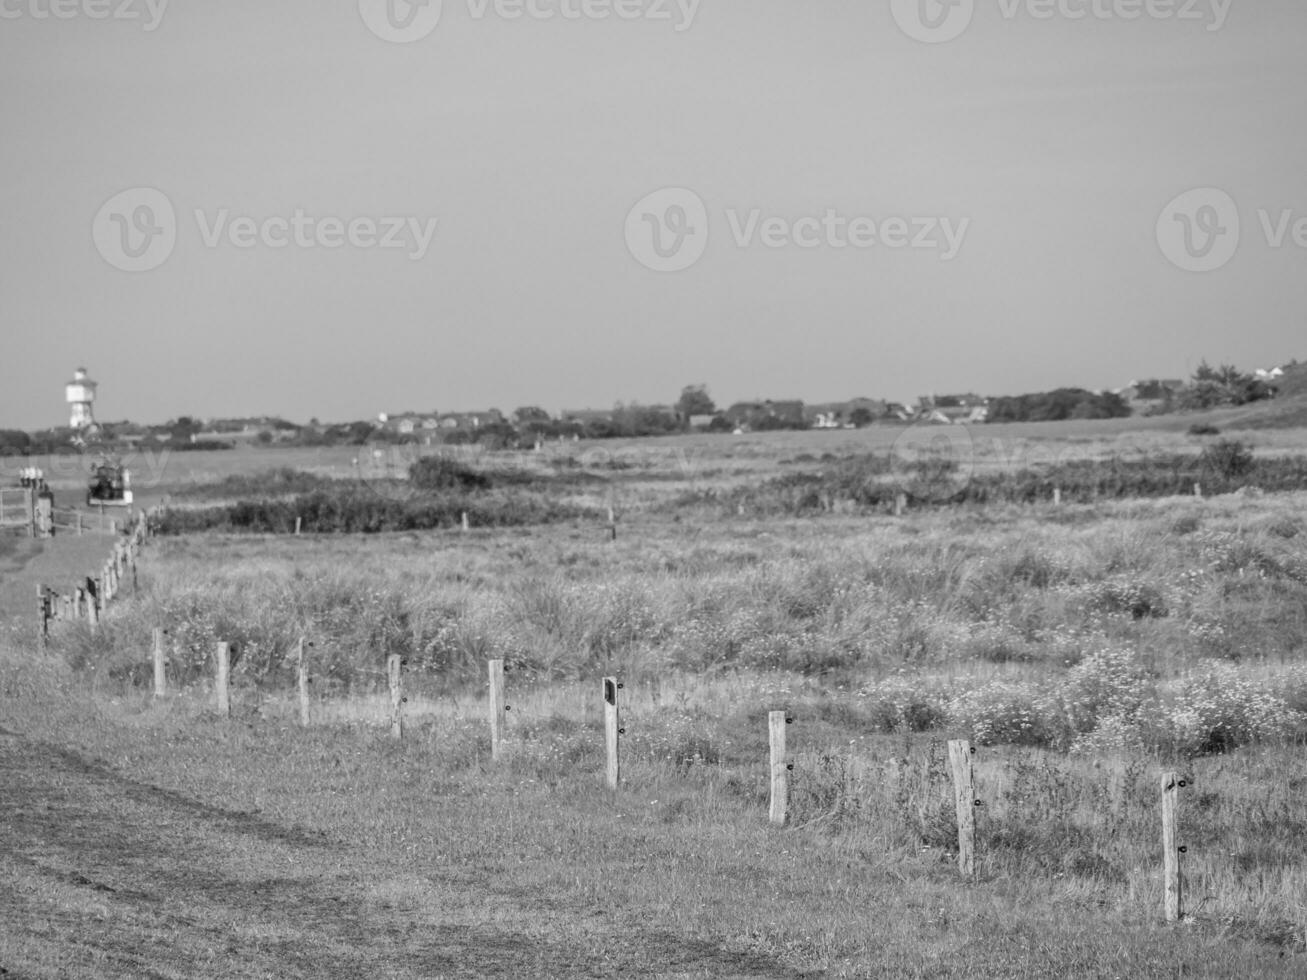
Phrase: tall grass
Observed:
(1105, 632)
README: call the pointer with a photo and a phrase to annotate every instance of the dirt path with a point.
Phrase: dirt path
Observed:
(61, 562)
(102, 876)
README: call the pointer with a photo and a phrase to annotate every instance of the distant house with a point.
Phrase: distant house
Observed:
(1153, 390)
(587, 416)
(701, 421)
(769, 414)
(953, 409)
(469, 420)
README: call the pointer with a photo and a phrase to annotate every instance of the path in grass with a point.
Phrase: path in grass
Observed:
(101, 876)
(61, 562)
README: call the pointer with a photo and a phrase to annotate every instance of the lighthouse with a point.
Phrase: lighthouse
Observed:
(80, 393)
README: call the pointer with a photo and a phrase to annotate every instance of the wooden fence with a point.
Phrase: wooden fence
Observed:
(961, 755)
(87, 600)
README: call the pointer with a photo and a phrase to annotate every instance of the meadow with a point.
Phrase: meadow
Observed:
(1083, 649)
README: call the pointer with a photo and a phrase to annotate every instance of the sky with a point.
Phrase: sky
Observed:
(226, 208)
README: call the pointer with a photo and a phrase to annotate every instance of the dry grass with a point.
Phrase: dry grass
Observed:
(1084, 649)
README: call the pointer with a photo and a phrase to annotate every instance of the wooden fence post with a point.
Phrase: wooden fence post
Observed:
(79, 523)
(299, 523)
(1057, 496)
(1174, 909)
(222, 684)
(466, 525)
(93, 608)
(302, 668)
(900, 504)
(396, 677)
(1198, 490)
(780, 783)
(497, 708)
(43, 608)
(612, 731)
(160, 676)
(964, 794)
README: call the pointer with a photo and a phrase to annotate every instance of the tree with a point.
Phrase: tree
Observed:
(694, 400)
(861, 417)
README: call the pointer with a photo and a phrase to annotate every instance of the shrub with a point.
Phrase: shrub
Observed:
(1221, 710)
(1141, 600)
(1229, 458)
(1203, 429)
(1002, 712)
(443, 473)
(1107, 690)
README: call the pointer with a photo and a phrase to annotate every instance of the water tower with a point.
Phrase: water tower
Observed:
(80, 393)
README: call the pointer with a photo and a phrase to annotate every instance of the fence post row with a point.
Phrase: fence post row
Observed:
(93, 599)
(964, 795)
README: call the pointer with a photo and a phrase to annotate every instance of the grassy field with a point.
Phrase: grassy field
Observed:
(1084, 649)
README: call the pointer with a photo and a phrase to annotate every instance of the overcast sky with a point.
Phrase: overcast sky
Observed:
(881, 215)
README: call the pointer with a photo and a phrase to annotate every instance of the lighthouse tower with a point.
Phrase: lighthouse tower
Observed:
(80, 393)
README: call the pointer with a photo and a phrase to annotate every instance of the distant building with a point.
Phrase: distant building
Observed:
(80, 394)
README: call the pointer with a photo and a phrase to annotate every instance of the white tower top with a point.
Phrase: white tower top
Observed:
(80, 393)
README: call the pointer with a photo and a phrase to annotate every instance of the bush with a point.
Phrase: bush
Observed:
(1203, 429)
(1221, 710)
(1107, 690)
(1229, 458)
(1003, 712)
(442, 473)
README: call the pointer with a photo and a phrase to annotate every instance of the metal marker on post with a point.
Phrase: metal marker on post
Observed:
(780, 784)
(612, 730)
